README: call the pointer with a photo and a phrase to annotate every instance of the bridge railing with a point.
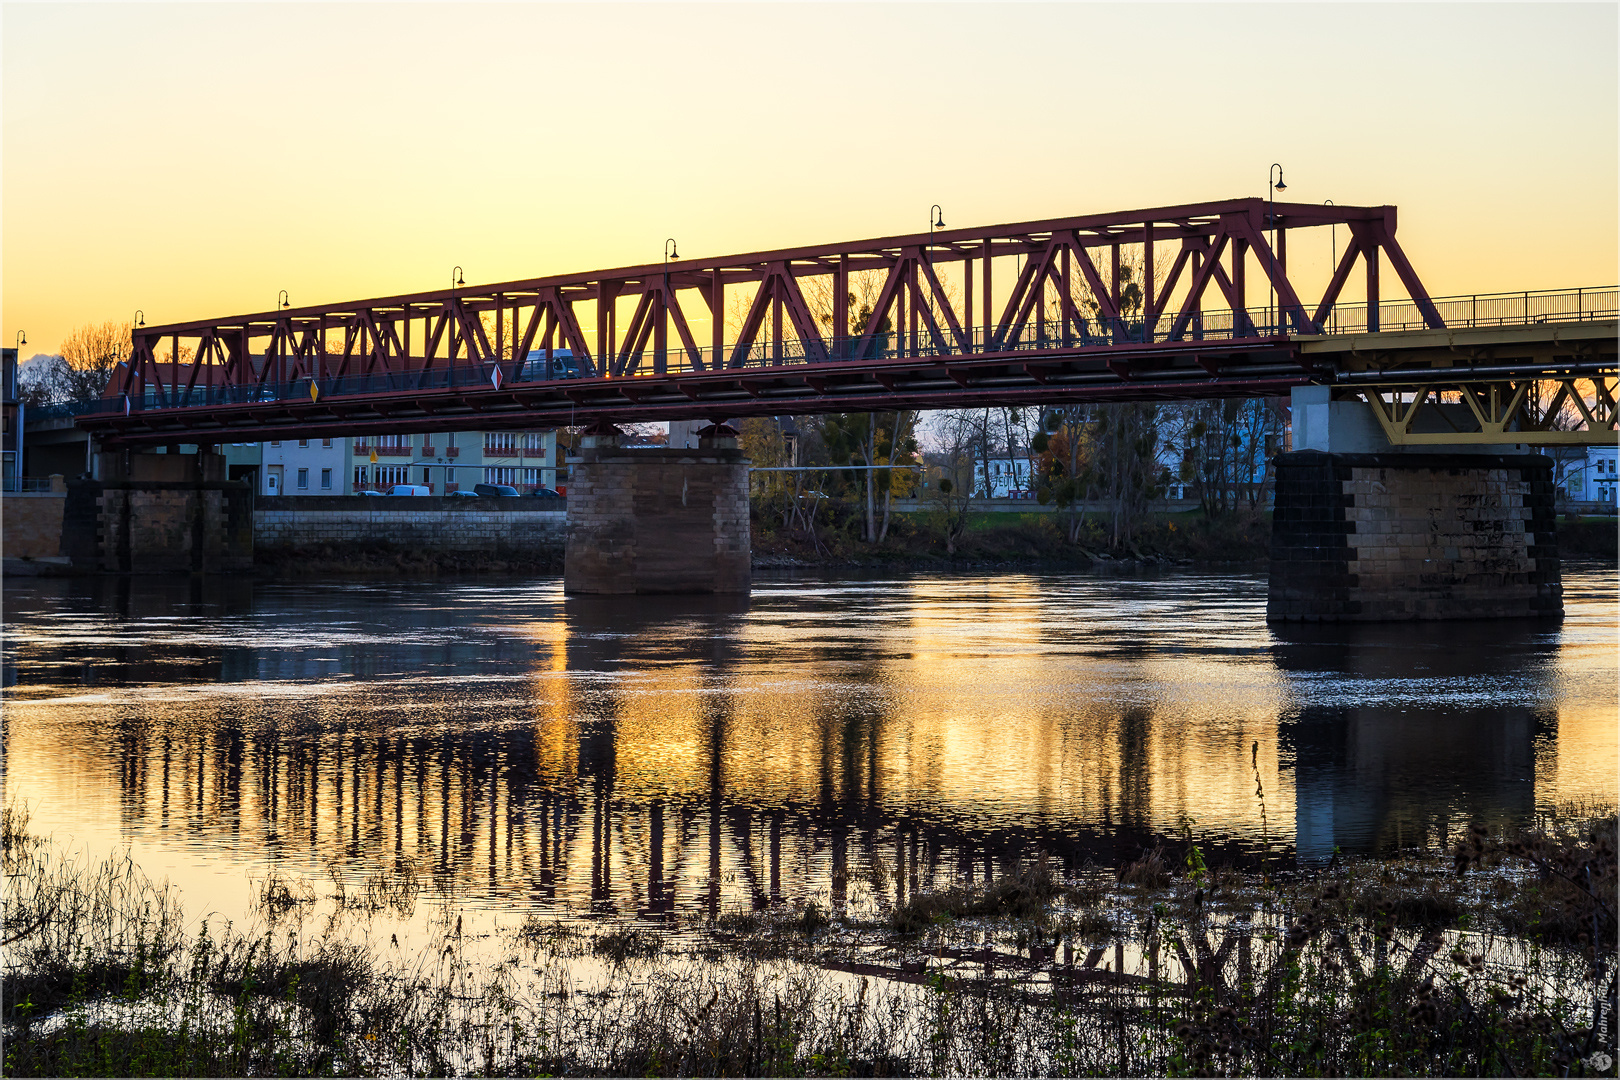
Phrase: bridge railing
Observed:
(1037, 335)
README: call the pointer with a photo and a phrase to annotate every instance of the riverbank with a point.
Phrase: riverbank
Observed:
(991, 541)
(1020, 540)
(1475, 960)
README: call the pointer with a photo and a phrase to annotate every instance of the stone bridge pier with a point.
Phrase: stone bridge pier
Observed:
(1365, 531)
(658, 520)
(159, 513)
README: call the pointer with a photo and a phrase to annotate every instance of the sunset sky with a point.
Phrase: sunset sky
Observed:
(191, 160)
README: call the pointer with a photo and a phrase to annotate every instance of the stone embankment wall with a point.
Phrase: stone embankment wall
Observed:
(1375, 537)
(428, 522)
(32, 524)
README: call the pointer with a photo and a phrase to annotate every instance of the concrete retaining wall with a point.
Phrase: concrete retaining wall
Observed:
(435, 522)
(1370, 537)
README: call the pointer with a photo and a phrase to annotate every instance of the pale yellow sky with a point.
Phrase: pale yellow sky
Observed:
(191, 160)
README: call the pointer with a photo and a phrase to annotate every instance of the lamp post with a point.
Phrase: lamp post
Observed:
(282, 299)
(140, 317)
(671, 251)
(1333, 243)
(936, 220)
(1272, 187)
(17, 471)
(456, 280)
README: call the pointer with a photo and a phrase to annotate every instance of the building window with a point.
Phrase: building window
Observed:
(380, 476)
(450, 439)
(427, 477)
(326, 479)
(449, 477)
(499, 440)
(504, 475)
(394, 442)
(302, 443)
(275, 442)
(303, 479)
(326, 443)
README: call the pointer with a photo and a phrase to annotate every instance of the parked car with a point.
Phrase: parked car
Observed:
(496, 491)
(544, 493)
(410, 489)
(367, 491)
(464, 495)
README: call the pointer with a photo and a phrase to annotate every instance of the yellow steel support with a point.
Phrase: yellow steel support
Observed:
(1504, 411)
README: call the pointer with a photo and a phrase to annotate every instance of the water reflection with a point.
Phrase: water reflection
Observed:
(848, 740)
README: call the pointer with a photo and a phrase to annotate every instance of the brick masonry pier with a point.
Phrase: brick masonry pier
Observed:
(658, 521)
(1404, 536)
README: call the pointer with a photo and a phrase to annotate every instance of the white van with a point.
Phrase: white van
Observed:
(410, 489)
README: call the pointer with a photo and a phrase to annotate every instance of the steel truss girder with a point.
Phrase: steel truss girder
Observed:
(488, 332)
(1529, 412)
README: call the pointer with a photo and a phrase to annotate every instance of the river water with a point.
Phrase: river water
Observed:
(625, 757)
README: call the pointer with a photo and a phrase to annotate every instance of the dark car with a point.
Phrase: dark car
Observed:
(544, 493)
(496, 491)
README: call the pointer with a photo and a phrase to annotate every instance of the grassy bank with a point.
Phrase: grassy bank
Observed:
(1004, 539)
(1589, 538)
(1489, 959)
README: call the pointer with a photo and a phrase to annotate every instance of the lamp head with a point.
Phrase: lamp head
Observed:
(939, 217)
(140, 317)
(1280, 185)
(22, 337)
(459, 279)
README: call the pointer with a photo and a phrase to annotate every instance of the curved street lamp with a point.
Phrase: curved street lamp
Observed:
(1272, 187)
(936, 220)
(282, 299)
(456, 280)
(22, 338)
(1333, 235)
(140, 317)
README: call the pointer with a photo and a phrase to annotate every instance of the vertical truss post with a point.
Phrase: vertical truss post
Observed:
(1371, 254)
(1148, 299)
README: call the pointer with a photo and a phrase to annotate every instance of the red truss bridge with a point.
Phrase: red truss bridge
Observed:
(1176, 302)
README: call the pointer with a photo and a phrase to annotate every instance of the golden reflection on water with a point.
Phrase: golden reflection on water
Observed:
(850, 741)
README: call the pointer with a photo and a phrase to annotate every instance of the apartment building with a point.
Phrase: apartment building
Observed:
(444, 462)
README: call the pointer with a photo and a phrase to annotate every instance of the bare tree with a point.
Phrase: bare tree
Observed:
(954, 434)
(80, 373)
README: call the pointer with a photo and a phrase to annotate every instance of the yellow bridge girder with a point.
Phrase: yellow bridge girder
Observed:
(1570, 411)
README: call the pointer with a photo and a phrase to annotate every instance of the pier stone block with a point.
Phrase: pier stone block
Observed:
(657, 520)
(1404, 536)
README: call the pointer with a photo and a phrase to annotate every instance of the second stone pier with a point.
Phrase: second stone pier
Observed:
(658, 520)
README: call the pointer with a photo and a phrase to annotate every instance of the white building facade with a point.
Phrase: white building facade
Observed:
(1593, 480)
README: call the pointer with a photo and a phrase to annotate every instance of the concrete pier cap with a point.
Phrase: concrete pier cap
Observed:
(658, 520)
